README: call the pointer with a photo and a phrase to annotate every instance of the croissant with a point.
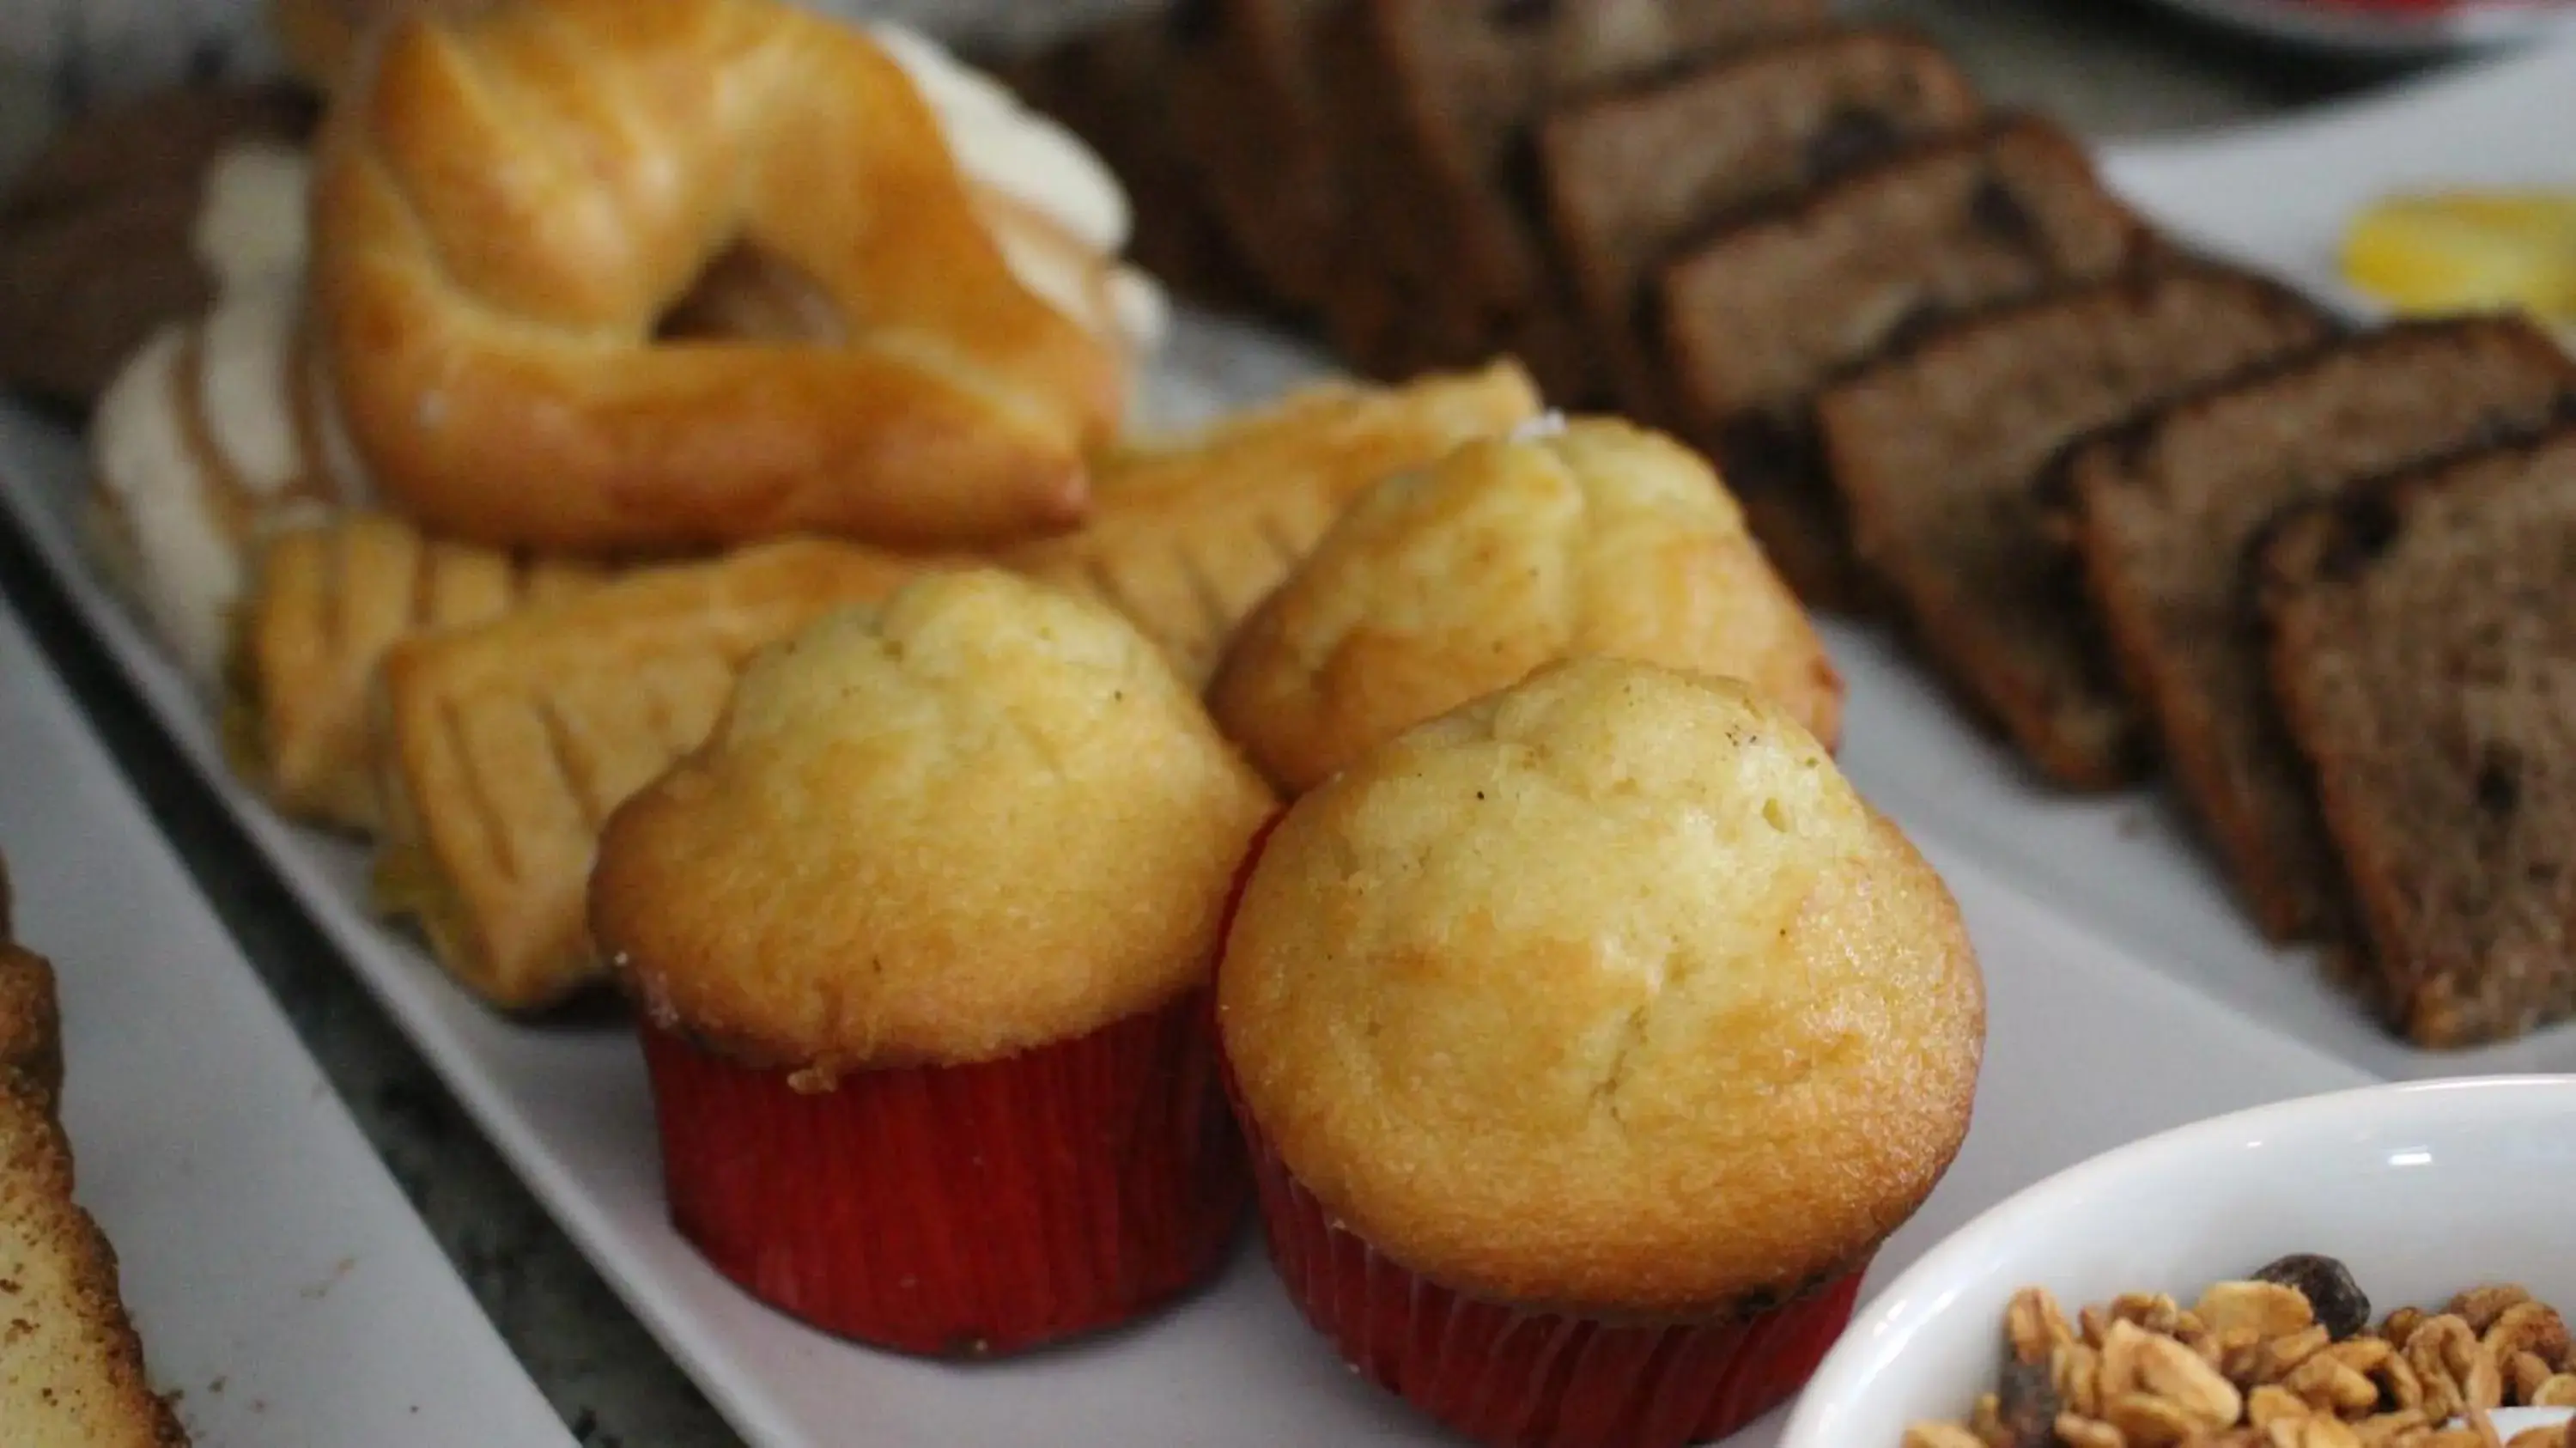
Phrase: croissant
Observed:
(502, 216)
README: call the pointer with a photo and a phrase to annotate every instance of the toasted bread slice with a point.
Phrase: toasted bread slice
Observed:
(2423, 649)
(2165, 510)
(1186, 537)
(503, 748)
(1938, 449)
(71, 1365)
(325, 604)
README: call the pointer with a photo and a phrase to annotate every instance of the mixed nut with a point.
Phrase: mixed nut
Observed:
(2285, 1358)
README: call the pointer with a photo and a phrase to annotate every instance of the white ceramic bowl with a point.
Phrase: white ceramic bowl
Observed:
(2422, 1189)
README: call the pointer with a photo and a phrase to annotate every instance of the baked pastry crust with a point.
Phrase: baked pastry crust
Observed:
(1606, 993)
(978, 818)
(1189, 534)
(31, 1035)
(326, 603)
(486, 302)
(1442, 585)
(503, 748)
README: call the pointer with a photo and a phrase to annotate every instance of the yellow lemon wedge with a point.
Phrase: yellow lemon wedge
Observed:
(2459, 251)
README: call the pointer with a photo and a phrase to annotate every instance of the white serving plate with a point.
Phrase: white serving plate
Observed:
(2129, 994)
(281, 1283)
(2392, 34)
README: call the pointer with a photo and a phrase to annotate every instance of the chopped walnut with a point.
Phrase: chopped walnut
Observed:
(2259, 1363)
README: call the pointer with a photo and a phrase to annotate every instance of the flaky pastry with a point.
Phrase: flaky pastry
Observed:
(326, 603)
(1444, 584)
(503, 748)
(1190, 533)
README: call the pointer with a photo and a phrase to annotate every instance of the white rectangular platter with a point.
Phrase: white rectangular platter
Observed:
(2127, 994)
(282, 1285)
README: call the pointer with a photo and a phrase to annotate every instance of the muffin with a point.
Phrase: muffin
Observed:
(1589, 1040)
(1442, 585)
(922, 938)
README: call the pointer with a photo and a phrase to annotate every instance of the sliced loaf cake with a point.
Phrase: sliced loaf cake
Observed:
(1936, 451)
(1112, 86)
(2163, 514)
(1760, 316)
(1629, 176)
(2423, 647)
(1433, 102)
(1247, 107)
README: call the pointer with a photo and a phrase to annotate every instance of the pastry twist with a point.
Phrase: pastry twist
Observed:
(507, 203)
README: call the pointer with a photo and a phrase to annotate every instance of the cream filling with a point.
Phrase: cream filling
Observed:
(188, 569)
(247, 350)
(1005, 145)
(1039, 166)
(250, 227)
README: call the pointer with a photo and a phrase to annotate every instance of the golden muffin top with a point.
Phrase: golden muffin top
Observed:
(980, 817)
(1605, 992)
(1446, 583)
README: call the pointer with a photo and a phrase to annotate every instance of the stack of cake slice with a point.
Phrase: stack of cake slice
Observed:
(2422, 645)
(2163, 512)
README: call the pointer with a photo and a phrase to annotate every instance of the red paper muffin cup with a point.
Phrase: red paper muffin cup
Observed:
(961, 1210)
(1515, 1377)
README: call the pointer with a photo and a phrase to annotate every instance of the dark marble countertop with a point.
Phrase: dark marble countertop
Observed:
(2111, 69)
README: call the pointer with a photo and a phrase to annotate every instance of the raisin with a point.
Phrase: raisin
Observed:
(2499, 783)
(2370, 525)
(1848, 140)
(2001, 215)
(2026, 1401)
(2332, 1295)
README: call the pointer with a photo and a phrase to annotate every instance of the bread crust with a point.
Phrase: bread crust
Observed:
(485, 301)
(1442, 585)
(1604, 994)
(982, 817)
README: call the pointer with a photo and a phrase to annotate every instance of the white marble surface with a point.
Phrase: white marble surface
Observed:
(2109, 69)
